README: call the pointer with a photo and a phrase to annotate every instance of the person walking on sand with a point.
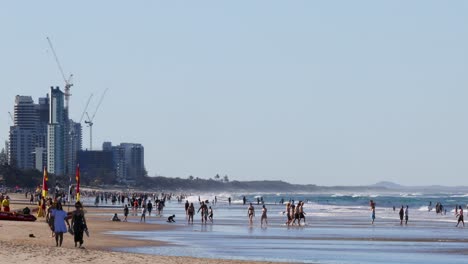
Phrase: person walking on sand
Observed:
(49, 216)
(264, 216)
(150, 207)
(251, 213)
(143, 214)
(406, 215)
(372, 206)
(78, 223)
(61, 218)
(401, 213)
(460, 216)
(125, 213)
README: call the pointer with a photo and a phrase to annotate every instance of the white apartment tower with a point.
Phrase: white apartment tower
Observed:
(56, 133)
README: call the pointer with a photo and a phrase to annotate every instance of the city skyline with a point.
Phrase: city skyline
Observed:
(335, 93)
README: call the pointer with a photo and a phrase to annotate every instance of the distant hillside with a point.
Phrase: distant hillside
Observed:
(197, 184)
(387, 184)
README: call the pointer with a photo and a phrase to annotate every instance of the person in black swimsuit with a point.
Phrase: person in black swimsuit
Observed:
(78, 223)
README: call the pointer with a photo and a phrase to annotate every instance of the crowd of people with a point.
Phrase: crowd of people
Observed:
(143, 204)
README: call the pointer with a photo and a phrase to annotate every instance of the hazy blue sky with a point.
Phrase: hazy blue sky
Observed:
(324, 92)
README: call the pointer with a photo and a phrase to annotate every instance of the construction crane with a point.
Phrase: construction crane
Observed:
(68, 83)
(90, 120)
(12, 119)
(86, 108)
(72, 129)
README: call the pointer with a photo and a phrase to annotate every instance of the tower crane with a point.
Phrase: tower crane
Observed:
(68, 82)
(11, 116)
(90, 120)
(72, 129)
(86, 108)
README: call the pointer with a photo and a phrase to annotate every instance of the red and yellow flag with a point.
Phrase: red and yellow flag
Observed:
(45, 189)
(78, 182)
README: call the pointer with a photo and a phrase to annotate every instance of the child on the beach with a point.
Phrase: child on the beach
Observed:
(210, 214)
(170, 219)
(115, 218)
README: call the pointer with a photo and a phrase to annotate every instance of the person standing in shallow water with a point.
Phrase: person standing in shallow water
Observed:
(264, 216)
(210, 214)
(251, 213)
(78, 223)
(187, 205)
(191, 212)
(372, 206)
(406, 215)
(204, 212)
(401, 213)
(61, 218)
(460, 216)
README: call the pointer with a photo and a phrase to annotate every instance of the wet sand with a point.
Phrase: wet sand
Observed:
(18, 247)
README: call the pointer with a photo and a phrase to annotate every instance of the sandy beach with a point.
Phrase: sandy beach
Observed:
(19, 247)
(338, 230)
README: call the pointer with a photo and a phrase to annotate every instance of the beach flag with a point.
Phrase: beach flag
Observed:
(78, 182)
(45, 189)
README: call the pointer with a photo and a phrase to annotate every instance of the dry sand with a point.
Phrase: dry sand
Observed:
(18, 247)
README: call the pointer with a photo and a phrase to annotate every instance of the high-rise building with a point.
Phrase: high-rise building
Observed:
(74, 140)
(128, 160)
(56, 133)
(22, 133)
(25, 113)
(42, 135)
(96, 164)
(40, 151)
(135, 161)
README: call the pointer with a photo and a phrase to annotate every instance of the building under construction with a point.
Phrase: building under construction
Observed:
(43, 135)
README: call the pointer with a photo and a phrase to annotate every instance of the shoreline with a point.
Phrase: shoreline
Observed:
(330, 228)
(100, 245)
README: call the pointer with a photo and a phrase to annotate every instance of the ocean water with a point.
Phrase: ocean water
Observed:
(338, 230)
